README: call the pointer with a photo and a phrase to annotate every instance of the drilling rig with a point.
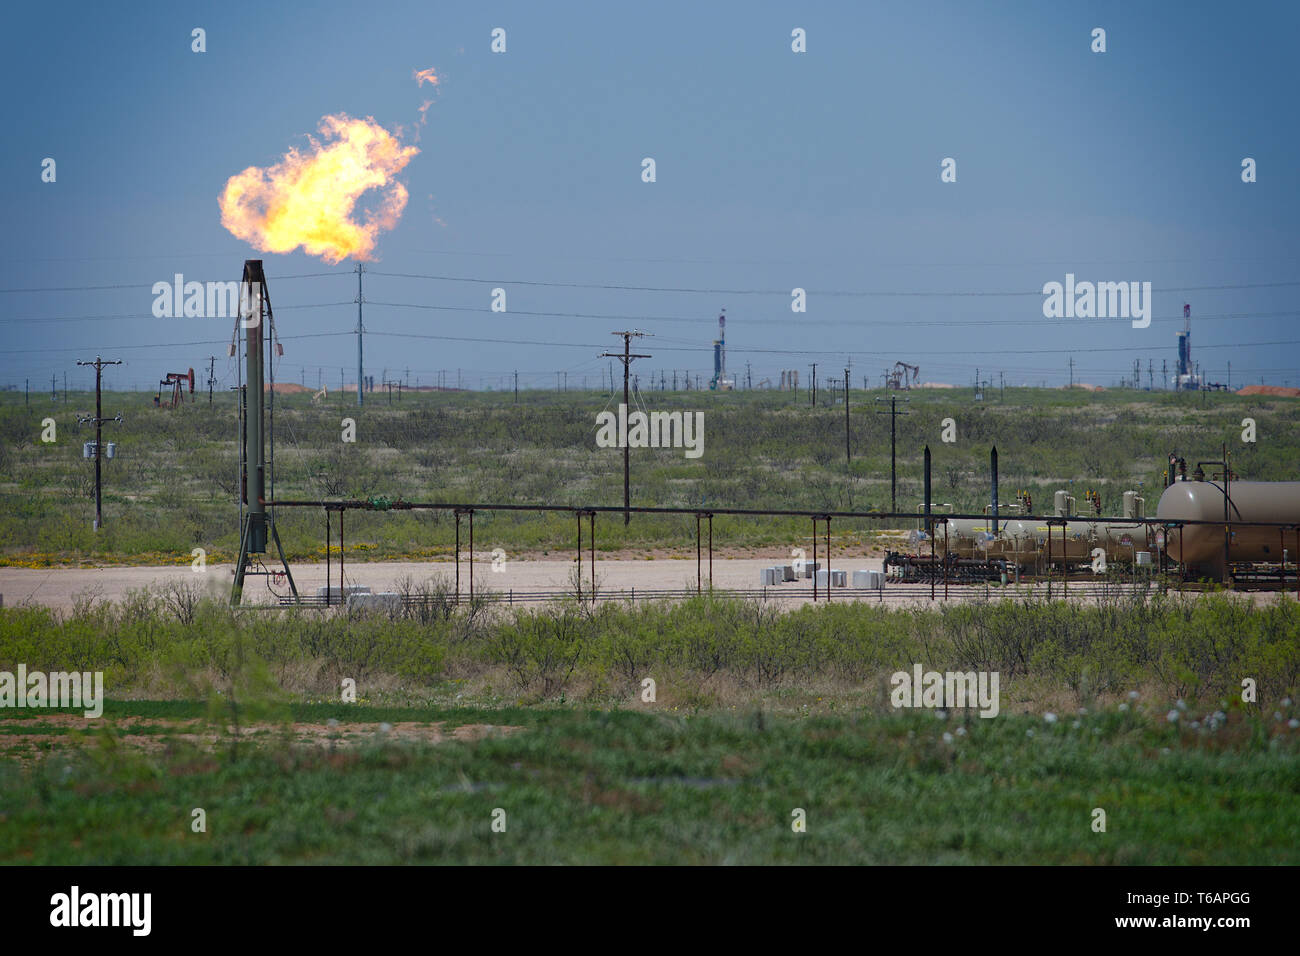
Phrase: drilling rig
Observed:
(720, 382)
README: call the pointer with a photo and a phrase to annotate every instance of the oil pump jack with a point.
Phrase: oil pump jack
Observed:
(175, 383)
(256, 522)
(897, 379)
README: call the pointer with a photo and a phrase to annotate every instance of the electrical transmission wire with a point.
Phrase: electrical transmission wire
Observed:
(165, 345)
(150, 285)
(861, 293)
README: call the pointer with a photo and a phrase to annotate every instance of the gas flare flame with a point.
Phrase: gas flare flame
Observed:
(309, 197)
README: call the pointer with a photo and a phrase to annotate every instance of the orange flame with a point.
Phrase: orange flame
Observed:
(308, 198)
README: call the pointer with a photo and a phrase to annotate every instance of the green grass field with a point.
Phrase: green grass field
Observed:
(593, 786)
(171, 487)
(463, 711)
(542, 714)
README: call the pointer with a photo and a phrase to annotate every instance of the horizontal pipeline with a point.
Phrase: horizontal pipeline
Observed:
(819, 515)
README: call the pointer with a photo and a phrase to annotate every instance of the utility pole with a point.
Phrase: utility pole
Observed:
(361, 385)
(516, 386)
(1071, 371)
(626, 358)
(893, 448)
(814, 384)
(212, 368)
(1002, 386)
(1151, 385)
(1230, 376)
(65, 388)
(1164, 373)
(99, 420)
(848, 457)
(54, 391)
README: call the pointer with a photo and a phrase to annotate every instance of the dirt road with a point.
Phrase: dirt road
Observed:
(58, 587)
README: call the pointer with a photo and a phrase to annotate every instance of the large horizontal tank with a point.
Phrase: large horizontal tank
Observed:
(1201, 546)
(1076, 541)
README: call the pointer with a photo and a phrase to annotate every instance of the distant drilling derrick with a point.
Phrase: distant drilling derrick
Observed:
(1185, 377)
(720, 380)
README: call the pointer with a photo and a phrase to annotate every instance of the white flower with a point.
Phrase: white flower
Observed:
(1293, 723)
(1172, 716)
(1029, 733)
(961, 731)
(1049, 717)
(1195, 724)
(1123, 707)
(941, 714)
(1180, 705)
(1077, 724)
(1132, 695)
(947, 737)
(1286, 701)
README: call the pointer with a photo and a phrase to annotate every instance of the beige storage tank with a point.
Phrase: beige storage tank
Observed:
(1200, 547)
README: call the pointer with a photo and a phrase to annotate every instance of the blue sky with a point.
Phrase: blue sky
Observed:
(774, 170)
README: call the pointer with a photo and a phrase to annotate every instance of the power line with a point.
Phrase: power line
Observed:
(170, 345)
(150, 285)
(153, 318)
(801, 321)
(786, 292)
(765, 351)
(700, 260)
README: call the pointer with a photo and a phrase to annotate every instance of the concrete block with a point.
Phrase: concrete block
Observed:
(869, 579)
(787, 572)
(348, 591)
(383, 601)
